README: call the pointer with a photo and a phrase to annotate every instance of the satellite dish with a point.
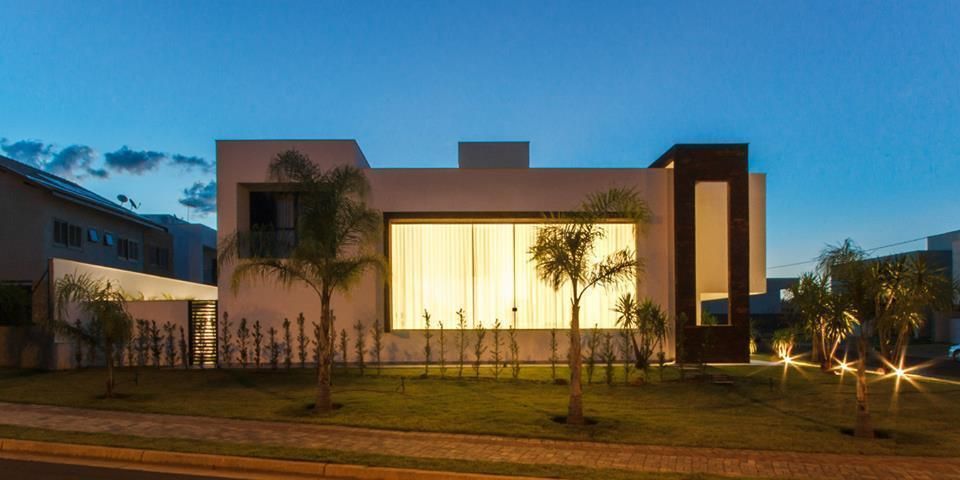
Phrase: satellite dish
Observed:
(123, 198)
(134, 205)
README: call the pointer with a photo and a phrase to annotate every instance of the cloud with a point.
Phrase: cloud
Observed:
(136, 162)
(201, 197)
(75, 162)
(189, 162)
(32, 152)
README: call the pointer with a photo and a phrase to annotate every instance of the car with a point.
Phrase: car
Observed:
(954, 352)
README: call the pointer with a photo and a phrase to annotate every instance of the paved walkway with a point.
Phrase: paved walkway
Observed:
(754, 463)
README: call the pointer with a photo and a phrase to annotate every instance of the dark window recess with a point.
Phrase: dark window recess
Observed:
(61, 232)
(93, 236)
(158, 256)
(128, 249)
(108, 239)
(273, 223)
(67, 235)
(76, 236)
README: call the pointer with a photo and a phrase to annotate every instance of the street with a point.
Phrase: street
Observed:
(19, 469)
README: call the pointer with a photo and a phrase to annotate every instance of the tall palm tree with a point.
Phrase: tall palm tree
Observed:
(109, 326)
(563, 252)
(336, 234)
(856, 285)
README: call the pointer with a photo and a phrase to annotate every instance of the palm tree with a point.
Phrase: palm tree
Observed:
(856, 285)
(912, 288)
(336, 234)
(110, 325)
(564, 251)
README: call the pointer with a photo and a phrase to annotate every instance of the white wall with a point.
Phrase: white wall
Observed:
(241, 164)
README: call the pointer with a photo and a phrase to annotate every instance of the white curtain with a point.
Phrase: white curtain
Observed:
(431, 270)
(485, 269)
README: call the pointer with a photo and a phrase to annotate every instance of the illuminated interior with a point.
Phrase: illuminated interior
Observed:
(485, 269)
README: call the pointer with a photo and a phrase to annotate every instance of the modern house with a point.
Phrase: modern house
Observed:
(457, 239)
(195, 245)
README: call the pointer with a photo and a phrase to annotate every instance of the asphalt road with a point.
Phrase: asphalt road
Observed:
(18, 469)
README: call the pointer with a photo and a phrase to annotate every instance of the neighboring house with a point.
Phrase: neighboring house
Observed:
(45, 216)
(458, 238)
(766, 309)
(194, 249)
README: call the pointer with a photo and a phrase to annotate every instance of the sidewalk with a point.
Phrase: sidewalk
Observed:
(641, 458)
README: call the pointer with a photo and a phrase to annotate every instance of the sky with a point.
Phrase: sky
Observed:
(852, 109)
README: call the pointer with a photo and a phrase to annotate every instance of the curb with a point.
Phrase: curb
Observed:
(232, 463)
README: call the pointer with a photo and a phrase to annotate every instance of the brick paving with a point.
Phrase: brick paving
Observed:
(486, 448)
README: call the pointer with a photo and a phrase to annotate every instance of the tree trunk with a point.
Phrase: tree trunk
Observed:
(324, 403)
(575, 408)
(815, 354)
(864, 426)
(108, 353)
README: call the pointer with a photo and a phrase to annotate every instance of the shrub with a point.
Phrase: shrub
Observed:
(783, 340)
(479, 348)
(427, 335)
(301, 341)
(360, 345)
(243, 338)
(184, 352)
(461, 340)
(257, 342)
(156, 343)
(625, 347)
(287, 345)
(514, 352)
(609, 356)
(169, 343)
(226, 342)
(495, 355)
(143, 342)
(273, 348)
(443, 352)
(377, 343)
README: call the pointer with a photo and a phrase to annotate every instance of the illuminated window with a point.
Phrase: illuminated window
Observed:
(485, 269)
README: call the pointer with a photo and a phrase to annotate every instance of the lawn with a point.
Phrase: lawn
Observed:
(767, 407)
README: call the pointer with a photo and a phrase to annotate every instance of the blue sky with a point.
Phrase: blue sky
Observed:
(852, 109)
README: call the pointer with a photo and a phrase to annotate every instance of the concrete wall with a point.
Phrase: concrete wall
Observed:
(151, 298)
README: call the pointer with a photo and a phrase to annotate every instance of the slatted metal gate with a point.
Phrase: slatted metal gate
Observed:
(203, 333)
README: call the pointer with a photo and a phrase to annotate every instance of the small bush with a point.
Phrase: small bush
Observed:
(479, 348)
(243, 340)
(287, 345)
(273, 348)
(461, 340)
(226, 342)
(514, 352)
(257, 342)
(360, 345)
(301, 341)
(377, 343)
(495, 355)
(427, 335)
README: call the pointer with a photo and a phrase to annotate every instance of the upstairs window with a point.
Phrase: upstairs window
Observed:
(93, 236)
(60, 233)
(273, 223)
(67, 235)
(128, 249)
(158, 256)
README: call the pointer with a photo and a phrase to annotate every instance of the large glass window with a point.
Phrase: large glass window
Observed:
(485, 269)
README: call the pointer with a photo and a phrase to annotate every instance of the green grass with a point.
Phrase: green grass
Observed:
(803, 410)
(332, 456)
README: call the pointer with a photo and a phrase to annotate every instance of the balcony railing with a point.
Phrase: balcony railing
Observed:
(276, 243)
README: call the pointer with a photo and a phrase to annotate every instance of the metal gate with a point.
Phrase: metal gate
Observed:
(203, 333)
